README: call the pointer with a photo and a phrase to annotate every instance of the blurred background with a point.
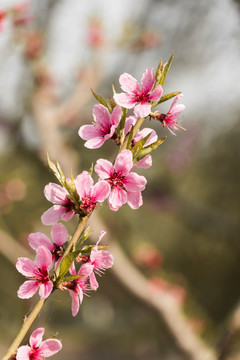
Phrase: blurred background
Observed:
(185, 238)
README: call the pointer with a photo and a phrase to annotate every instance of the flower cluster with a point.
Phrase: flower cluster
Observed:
(63, 262)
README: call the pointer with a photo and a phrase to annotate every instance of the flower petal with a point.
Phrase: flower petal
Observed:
(43, 258)
(126, 100)
(134, 182)
(148, 80)
(53, 215)
(100, 191)
(55, 193)
(116, 115)
(93, 281)
(156, 94)
(142, 110)
(50, 347)
(129, 122)
(84, 184)
(101, 116)
(67, 215)
(95, 143)
(123, 163)
(134, 199)
(144, 163)
(23, 353)
(59, 234)
(28, 289)
(45, 290)
(26, 266)
(39, 239)
(128, 83)
(104, 168)
(117, 198)
(36, 337)
(87, 132)
(75, 302)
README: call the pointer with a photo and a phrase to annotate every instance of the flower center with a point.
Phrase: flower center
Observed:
(88, 204)
(42, 276)
(116, 180)
(57, 252)
(141, 97)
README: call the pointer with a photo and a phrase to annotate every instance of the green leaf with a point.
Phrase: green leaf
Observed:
(88, 248)
(129, 139)
(102, 101)
(165, 70)
(91, 169)
(121, 126)
(148, 149)
(65, 264)
(84, 237)
(167, 97)
(138, 147)
(57, 171)
(72, 277)
(158, 73)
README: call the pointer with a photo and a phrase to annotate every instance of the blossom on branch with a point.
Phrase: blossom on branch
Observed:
(145, 162)
(38, 349)
(134, 97)
(63, 208)
(89, 193)
(103, 128)
(171, 120)
(101, 260)
(126, 186)
(59, 236)
(38, 274)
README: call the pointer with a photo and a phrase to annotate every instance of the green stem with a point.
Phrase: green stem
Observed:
(30, 319)
(24, 329)
(135, 130)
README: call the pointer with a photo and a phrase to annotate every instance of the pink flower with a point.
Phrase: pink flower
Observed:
(37, 272)
(38, 349)
(129, 123)
(77, 287)
(101, 260)
(104, 127)
(3, 15)
(62, 208)
(145, 162)
(59, 236)
(170, 120)
(89, 193)
(126, 186)
(139, 99)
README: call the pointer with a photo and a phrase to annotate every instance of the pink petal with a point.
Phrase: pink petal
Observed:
(39, 239)
(134, 182)
(87, 132)
(142, 110)
(43, 258)
(59, 234)
(36, 337)
(72, 269)
(128, 83)
(26, 266)
(75, 302)
(55, 193)
(100, 191)
(130, 121)
(45, 289)
(175, 100)
(93, 281)
(144, 163)
(67, 215)
(28, 289)
(117, 198)
(23, 353)
(156, 94)
(104, 168)
(134, 199)
(53, 215)
(116, 115)
(101, 116)
(85, 270)
(177, 109)
(50, 347)
(143, 133)
(126, 100)
(95, 143)
(148, 81)
(123, 163)
(84, 184)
